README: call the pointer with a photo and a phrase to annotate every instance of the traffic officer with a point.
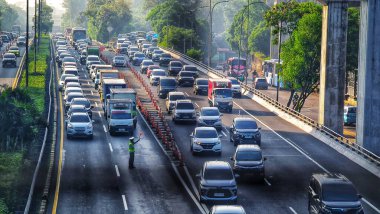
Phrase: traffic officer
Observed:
(131, 149)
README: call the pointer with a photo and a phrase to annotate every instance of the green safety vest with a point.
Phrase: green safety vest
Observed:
(131, 147)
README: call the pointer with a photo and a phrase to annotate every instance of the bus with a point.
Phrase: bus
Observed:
(237, 68)
(77, 34)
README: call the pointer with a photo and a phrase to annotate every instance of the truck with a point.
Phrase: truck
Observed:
(119, 116)
(77, 33)
(107, 84)
(123, 94)
(105, 74)
(93, 50)
(220, 94)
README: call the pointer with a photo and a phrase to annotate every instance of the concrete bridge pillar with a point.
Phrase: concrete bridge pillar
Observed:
(333, 64)
(368, 112)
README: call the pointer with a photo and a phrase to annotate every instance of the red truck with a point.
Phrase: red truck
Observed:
(220, 94)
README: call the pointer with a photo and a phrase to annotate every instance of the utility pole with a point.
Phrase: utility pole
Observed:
(27, 45)
(39, 21)
(35, 35)
(209, 37)
(247, 53)
(279, 62)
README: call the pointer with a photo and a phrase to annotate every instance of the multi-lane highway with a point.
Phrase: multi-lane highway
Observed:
(92, 176)
(292, 154)
(8, 74)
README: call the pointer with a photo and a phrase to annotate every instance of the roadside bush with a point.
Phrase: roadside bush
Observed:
(195, 54)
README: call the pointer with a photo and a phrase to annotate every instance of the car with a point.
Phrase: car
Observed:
(150, 51)
(62, 80)
(349, 115)
(227, 209)
(166, 85)
(83, 57)
(77, 108)
(5, 38)
(90, 59)
(144, 47)
(131, 52)
(15, 50)
(248, 161)
(150, 69)
(119, 61)
(70, 90)
(123, 48)
(9, 59)
(200, 86)
(245, 131)
(333, 193)
(164, 59)
(210, 117)
(70, 70)
(61, 56)
(85, 102)
(70, 97)
(191, 68)
(156, 55)
(68, 59)
(235, 86)
(155, 76)
(60, 42)
(145, 64)
(184, 110)
(79, 124)
(70, 85)
(185, 78)
(172, 97)
(205, 139)
(70, 79)
(69, 64)
(217, 182)
(174, 68)
(138, 57)
(260, 83)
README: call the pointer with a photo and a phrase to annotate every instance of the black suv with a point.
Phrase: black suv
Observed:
(201, 86)
(245, 131)
(174, 68)
(164, 59)
(333, 193)
(185, 78)
(9, 59)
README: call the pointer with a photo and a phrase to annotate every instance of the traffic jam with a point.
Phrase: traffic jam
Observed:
(223, 142)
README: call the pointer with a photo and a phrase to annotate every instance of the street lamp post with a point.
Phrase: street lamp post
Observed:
(35, 36)
(27, 45)
(279, 63)
(211, 11)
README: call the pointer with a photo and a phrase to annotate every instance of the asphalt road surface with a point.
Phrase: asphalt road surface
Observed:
(8, 74)
(293, 156)
(95, 177)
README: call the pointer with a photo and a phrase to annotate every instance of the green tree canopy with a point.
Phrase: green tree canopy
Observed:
(72, 16)
(8, 16)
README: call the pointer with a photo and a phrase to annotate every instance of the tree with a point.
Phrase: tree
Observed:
(8, 16)
(352, 44)
(46, 18)
(72, 16)
(301, 57)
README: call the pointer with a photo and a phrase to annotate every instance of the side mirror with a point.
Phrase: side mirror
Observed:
(259, 128)
(93, 121)
(236, 175)
(198, 175)
(360, 196)
(265, 158)
(191, 135)
(91, 107)
(221, 114)
(232, 158)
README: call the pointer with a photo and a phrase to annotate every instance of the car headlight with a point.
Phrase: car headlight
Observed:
(217, 142)
(216, 103)
(69, 125)
(194, 114)
(197, 142)
(89, 126)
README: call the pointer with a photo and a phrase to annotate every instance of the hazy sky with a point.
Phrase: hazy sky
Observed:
(56, 4)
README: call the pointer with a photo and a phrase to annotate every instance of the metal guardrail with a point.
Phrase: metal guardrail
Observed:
(323, 129)
(17, 79)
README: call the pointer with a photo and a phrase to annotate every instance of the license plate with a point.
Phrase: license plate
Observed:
(219, 194)
(186, 117)
(248, 136)
(122, 130)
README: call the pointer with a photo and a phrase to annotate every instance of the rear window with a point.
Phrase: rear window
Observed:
(166, 56)
(210, 112)
(92, 58)
(190, 68)
(168, 82)
(71, 97)
(218, 174)
(261, 80)
(186, 74)
(339, 192)
(139, 55)
(68, 59)
(202, 82)
(248, 156)
(159, 73)
(13, 48)
(176, 64)
(134, 49)
(148, 63)
(119, 58)
(246, 124)
(80, 119)
(185, 106)
(176, 97)
(234, 82)
(86, 103)
(206, 134)
(9, 56)
(158, 52)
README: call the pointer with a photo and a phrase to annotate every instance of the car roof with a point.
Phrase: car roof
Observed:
(228, 209)
(204, 128)
(93, 56)
(328, 178)
(159, 69)
(244, 119)
(209, 108)
(147, 60)
(72, 78)
(167, 78)
(183, 101)
(217, 165)
(176, 93)
(9, 54)
(75, 94)
(82, 98)
(71, 69)
(79, 114)
(76, 106)
(248, 147)
(187, 66)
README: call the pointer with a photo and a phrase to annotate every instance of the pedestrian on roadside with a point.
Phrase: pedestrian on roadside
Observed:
(131, 149)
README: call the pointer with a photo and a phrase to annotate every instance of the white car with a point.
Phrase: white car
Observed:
(205, 139)
(235, 86)
(79, 124)
(71, 89)
(119, 61)
(210, 117)
(155, 76)
(62, 80)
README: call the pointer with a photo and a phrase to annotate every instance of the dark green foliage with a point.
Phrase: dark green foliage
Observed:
(8, 16)
(195, 54)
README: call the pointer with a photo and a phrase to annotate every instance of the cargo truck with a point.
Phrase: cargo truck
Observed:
(105, 74)
(124, 94)
(119, 116)
(107, 84)
(93, 50)
(220, 94)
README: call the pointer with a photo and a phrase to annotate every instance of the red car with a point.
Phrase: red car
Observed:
(150, 69)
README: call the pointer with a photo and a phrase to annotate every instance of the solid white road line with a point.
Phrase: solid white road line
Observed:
(187, 94)
(99, 114)
(85, 76)
(92, 93)
(267, 182)
(299, 150)
(196, 105)
(224, 133)
(293, 211)
(105, 129)
(124, 202)
(96, 104)
(117, 171)
(111, 149)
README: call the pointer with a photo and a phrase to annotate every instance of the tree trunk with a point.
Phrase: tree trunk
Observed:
(290, 98)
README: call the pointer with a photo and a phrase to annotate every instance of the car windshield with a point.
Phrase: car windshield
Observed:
(206, 134)
(218, 174)
(158, 52)
(190, 68)
(234, 82)
(248, 156)
(188, 106)
(168, 82)
(177, 97)
(120, 115)
(165, 56)
(119, 58)
(176, 64)
(223, 92)
(148, 63)
(85, 103)
(68, 59)
(159, 73)
(93, 58)
(9, 56)
(70, 98)
(95, 63)
(186, 74)
(80, 119)
(202, 82)
(134, 49)
(13, 48)
(139, 55)
(210, 112)
(247, 124)
(261, 80)
(339, 192)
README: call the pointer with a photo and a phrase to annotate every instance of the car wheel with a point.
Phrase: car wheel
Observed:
(219, 153)
(91, 137)
(68, 136)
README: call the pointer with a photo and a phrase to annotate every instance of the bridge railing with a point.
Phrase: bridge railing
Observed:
(323, 129)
